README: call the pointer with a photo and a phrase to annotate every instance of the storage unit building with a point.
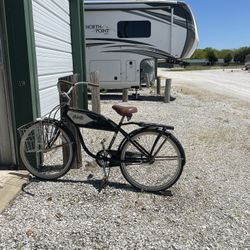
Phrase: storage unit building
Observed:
(44, 42)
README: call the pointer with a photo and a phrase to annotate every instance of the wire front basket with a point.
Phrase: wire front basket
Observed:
(21, 130)
(39, 137)
(42, 122)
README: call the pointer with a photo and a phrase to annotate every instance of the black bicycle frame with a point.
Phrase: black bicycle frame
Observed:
(80, 118)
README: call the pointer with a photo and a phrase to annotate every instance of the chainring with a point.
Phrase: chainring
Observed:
(102, 163)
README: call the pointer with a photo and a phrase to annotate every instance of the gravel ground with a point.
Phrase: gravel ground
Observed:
(230, 82)
(209, 208)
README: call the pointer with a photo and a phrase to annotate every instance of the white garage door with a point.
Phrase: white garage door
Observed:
(53, 47)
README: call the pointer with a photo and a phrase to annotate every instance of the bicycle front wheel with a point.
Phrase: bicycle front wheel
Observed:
(154, 161)
(47, 149)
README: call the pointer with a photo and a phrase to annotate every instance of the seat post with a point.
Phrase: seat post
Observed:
(116, 132)
(121, 121)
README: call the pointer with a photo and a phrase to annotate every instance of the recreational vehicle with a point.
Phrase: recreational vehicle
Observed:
(124, 39)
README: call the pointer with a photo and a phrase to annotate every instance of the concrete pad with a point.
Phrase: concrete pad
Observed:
(10, 185)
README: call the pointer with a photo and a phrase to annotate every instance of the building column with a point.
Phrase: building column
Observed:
(22, 63)
(78, 48)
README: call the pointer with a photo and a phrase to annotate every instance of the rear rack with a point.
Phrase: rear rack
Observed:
(145, 124)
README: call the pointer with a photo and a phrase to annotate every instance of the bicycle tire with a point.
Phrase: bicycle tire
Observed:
(151, 176)
(42, 149)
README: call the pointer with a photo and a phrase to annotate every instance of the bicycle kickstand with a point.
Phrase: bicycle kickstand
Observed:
(105, 178)
(103, 184)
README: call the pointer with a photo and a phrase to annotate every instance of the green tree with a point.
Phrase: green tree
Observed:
(237, 54)
(211, 56)
(222, 53)
(228, 58)
(199, 54)
(240, 54)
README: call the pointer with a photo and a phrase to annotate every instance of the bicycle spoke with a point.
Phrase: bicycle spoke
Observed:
(57, 146)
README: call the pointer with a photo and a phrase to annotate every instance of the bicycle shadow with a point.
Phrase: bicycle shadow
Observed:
(97, 184)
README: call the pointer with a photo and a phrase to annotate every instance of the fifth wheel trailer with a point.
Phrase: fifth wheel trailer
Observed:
(125, 38)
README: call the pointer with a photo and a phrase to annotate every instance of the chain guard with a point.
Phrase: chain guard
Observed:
(113, 158)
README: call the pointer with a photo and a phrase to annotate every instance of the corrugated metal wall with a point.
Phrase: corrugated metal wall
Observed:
(53, 47)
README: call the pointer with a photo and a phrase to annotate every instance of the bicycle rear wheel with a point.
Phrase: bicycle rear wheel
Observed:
(47, 149)
(159, 167)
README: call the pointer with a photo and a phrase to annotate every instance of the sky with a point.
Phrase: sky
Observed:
(222, 24)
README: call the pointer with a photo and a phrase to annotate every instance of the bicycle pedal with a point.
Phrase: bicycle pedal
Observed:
(90, 176)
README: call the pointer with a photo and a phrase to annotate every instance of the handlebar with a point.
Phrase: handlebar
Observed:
(72, 86)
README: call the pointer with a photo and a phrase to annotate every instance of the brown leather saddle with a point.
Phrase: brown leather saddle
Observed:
(125, 111)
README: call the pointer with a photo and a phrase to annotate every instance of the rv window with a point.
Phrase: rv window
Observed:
(131, 29)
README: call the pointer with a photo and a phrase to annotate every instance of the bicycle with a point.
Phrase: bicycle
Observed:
(150, 157)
